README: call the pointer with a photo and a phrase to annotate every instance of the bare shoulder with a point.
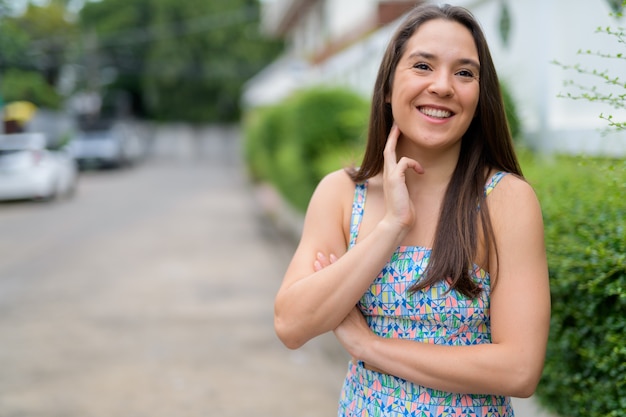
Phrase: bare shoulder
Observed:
(512, 194)
(515, 211)
(335, 187)
(330, 206)
(336, 181)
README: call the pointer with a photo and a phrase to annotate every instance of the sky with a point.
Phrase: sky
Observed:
(20, 5)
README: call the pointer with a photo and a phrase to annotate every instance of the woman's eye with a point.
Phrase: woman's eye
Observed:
(466, 73)
(421, 66)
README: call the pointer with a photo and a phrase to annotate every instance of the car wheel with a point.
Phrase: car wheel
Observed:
(70, 192)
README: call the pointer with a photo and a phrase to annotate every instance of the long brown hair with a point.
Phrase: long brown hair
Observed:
(486, 145)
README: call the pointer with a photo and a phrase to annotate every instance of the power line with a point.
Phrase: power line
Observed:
(179, 29)
(161, 32)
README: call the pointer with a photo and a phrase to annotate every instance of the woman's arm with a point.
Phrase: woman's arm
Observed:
(520, 315)
(311, 302)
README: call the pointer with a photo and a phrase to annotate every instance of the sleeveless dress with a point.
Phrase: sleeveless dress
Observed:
(431, 315)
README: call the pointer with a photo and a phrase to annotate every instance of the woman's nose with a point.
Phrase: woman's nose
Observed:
(441, 85)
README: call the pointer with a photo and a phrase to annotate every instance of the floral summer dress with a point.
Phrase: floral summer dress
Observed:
(429, 316)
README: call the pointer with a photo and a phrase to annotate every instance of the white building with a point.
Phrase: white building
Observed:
(342, 41)
(328, 41)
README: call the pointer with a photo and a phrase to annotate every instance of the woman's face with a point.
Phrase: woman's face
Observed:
(436, 87)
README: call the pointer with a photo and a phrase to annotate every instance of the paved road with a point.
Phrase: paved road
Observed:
(150, 295)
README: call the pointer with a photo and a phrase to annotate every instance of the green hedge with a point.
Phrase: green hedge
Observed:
(584, 206)
(512, 115)
(295, 143)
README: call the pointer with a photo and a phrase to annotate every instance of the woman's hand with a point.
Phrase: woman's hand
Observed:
(354, 333)
(399, 208)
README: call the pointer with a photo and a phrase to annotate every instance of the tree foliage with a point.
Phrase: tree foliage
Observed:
(114, 42)
(34, 47)
(17, 85)
(177, 59)
(181, 59)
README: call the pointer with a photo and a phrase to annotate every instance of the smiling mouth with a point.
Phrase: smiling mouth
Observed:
(436, 113)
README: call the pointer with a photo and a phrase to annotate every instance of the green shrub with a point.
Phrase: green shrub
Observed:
(584, 207)
(510, 107)
(295, 143)
(263, 128)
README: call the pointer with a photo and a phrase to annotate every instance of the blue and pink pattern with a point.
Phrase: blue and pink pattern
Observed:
(433, 315)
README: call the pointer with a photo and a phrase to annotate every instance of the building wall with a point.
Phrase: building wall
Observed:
(311, 32)
(329, 23)
(543, 32)
(349, 16)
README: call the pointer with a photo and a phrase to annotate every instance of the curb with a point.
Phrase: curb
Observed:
(286, 220)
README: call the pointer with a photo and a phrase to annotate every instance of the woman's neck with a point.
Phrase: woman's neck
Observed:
(438, 165)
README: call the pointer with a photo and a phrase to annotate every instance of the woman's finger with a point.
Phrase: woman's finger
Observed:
(389, 153)
(322, 261)
(404, 163)
(317, 266)
(390, 157)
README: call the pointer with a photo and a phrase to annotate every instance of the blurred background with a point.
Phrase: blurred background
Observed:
(156, 159)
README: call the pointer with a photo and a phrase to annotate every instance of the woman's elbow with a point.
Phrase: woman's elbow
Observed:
(287, 333)
(524, 390)
(525, 382)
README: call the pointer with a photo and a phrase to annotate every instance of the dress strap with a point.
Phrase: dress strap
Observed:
(358, 205)
(493, 181)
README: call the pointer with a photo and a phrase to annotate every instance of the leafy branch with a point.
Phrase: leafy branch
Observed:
(615, 99)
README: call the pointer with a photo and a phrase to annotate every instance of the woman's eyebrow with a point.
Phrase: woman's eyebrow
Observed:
(420, 54)
(470, 62)
(429, 56)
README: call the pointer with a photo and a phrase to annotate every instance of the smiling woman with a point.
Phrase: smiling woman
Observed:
(427, 261)
(435, 78)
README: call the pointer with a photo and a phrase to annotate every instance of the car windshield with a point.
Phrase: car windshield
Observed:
(22, 141)
(94, 124)
(9, 152)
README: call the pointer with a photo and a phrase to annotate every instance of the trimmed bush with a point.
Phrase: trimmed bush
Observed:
(263, 129)
(295, 143)
(510, 108)
(584, 207)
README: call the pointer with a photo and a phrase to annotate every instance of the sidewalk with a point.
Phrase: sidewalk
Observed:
(288, 223)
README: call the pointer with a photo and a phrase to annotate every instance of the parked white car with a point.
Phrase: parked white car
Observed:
(30, 171)
(105, 143)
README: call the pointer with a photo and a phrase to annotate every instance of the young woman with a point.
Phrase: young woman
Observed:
(428, 261)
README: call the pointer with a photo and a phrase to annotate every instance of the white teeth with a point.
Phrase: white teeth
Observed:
(441, 114)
